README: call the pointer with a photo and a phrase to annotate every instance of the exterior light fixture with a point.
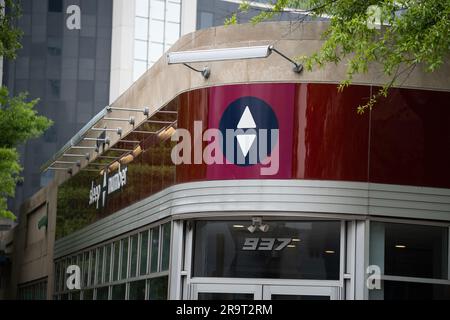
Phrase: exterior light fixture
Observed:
(257, 223)
(330, 252)
(223, 54)
(238, 226)
(166, 134)
(137, 151)
(400, 246)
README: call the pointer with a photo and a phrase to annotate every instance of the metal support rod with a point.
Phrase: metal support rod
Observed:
(130, 120)
(106, 157)
(167, 112)
(159, 122)
(106, 140)
(145, 132)
(53, 168)
(297, 67)
(118, 130)
(121, 150)
(205, 72)
(82, 147)
(144, 110)
(65, 162)
(73, 155)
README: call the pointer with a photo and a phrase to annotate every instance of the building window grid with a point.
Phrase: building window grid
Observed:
(120, 280)
(164, 43)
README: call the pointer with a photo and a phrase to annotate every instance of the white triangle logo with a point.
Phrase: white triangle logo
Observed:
(247, 120)
(245, 142)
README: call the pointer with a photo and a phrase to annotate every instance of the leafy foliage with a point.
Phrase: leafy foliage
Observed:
(397, 34)
(18, 118)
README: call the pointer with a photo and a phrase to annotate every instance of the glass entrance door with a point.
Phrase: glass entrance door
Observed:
(272, 292)
(206, 291)
(226, 292)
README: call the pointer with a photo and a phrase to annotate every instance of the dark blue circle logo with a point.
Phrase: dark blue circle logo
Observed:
(249, 130)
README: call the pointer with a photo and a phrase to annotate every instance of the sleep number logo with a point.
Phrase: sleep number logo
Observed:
(109, 185)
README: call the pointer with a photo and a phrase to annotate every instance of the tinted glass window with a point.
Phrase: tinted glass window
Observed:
(295, 250)
(137, 290)
(54, 5)
(409, 250)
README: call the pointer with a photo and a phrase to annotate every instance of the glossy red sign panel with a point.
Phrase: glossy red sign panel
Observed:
(280, 99)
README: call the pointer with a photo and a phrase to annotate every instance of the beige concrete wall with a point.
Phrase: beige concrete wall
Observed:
(32, 256)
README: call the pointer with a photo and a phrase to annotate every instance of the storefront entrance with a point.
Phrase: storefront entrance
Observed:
(267, 260)
(263, 292)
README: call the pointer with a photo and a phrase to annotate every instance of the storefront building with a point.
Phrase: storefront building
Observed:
(312, 201)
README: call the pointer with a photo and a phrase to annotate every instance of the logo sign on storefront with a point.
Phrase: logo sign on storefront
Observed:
(254, 128)
(110, 184)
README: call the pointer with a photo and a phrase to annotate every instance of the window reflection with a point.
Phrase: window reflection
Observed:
(409, 250)
(295, 250)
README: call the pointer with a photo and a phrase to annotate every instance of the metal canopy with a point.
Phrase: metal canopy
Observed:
(96, 136)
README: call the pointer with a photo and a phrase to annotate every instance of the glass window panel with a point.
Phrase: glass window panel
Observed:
(55, 5)
(107, 262)
(157, 9)
(57, 276)
(88, 294)
(140, 50)
(137, 290)
(173, 12)
(124, 265)
(142, 8)
(409, 250)
(158, 288)
(139, 69)
(172, 32)
(116, 260)
(102, 293)
(396, 290)
(85, 269)
(225, 296)
(155, 51)
(141, 28)
(165, 255)
(75, 295)
(206, 19)
(144, 253)
(157, 31)
(155, 246)
(288, 249)
(118, 292)
(133, 256)
(93, 265)
(100, 266)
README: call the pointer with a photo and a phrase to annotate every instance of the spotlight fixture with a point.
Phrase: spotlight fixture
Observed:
(400, 246)
(251, 228)
(257, 223)
(223, 54)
